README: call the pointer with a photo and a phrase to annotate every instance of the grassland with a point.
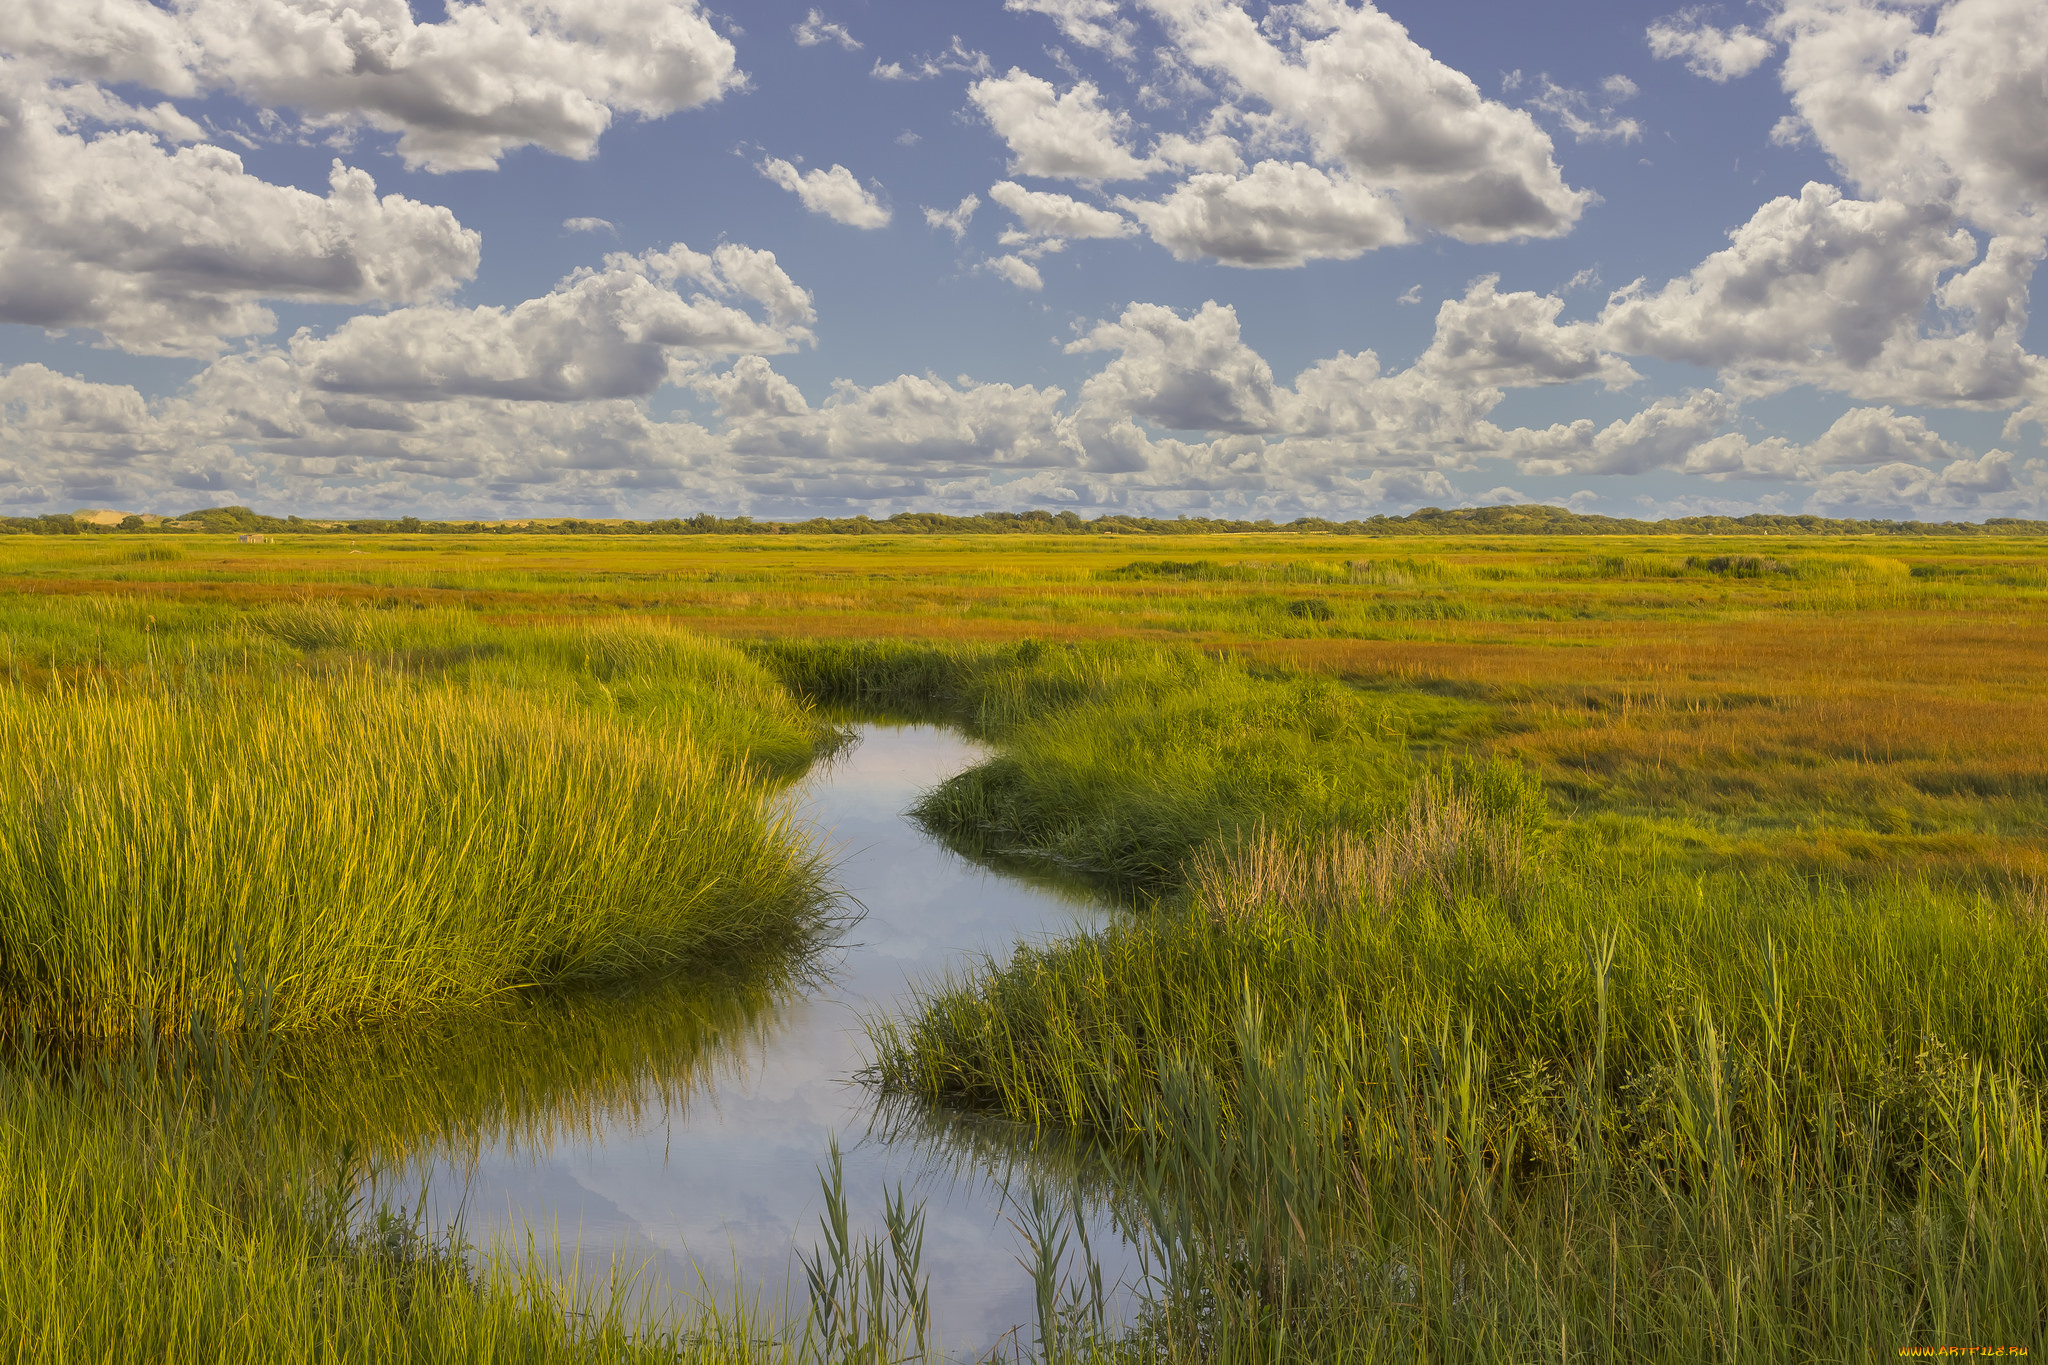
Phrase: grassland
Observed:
(1589, 949)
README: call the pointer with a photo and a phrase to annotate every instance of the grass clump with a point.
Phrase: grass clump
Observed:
(646, 674)
(1468, 829)
(303, 854)
(1622, 1117)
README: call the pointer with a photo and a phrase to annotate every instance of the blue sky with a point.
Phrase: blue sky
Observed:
(645, 258)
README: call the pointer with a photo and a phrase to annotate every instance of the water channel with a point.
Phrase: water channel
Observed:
(696, 1159)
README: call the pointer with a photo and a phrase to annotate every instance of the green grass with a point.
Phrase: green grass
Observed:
(1629, 1118)
(309, 851)
(1591, 950)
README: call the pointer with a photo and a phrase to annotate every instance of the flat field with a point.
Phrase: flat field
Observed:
(1839, 705)
(1578, 948)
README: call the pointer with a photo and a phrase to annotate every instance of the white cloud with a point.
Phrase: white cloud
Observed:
(1716, 53)
(1091, 23)
(955, 219)
(814, 30)
(1281, 214)
(1860, 436)
(1964, 489)
(1586, 120)
(117, 41)
(834, 193)
(610, 333)
(751, 391)
(1058, 215)
(1939, 102)
(1863, 436)
(1369, 99)
(1658, 437)
(1017, 270)
(1069, 136)
(586, 225)
(1514, 340)
(1190, 374)
(1412, 294)
(956, 57)
(1832, 291)
(171, 252)
(494, 75)
(915, 423)
(1215, 153)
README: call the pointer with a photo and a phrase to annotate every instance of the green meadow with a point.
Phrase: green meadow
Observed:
(1583, 948)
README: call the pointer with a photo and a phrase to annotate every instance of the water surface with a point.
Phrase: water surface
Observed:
(699, 1155)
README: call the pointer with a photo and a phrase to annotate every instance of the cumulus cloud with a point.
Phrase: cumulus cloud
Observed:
(1192, 374)
(1196, 373)
(1017, 269)
(168, 252)
(1708, 50)
(586, 225)
(815, 30)
(1058, 215)
(115, 41)
(57, 417)
(835, 193)
(1831, 291)
(1070, 136)
(1369, 100)
(1514, 340)
(1091, 23)
(1928, 103)
(1860, 436)
(1283, 213)
(1215, 153)
(460, 93)
(1658, 437)
(955, 219)
(1965, 488)
(609, 333)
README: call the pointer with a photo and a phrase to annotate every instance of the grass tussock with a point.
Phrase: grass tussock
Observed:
(306, 854)
(1468, 829)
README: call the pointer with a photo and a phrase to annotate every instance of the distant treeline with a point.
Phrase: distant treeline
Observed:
(1530, 519)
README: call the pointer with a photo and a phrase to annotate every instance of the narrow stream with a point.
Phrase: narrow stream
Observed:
(713, 1185)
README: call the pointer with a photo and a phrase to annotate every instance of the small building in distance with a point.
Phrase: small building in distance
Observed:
(252, 538)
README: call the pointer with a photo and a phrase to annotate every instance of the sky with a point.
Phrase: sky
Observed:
(647, 258)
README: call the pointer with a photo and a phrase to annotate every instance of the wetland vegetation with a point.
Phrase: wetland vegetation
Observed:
(1537, 949)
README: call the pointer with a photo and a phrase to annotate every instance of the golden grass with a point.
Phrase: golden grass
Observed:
(1853, 702)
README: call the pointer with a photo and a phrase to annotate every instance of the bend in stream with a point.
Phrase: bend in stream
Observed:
(682, 1128)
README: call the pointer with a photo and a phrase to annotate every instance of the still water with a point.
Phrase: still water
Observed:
(697, 1157)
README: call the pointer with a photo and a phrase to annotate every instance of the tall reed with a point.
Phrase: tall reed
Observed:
(304, 853)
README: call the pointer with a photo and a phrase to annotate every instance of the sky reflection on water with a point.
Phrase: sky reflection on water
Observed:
(724, 1181)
